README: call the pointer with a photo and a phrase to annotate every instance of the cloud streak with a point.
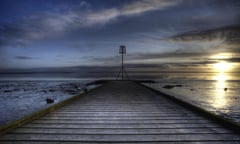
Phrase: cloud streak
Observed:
(24, 57)
(147, 5)
(156, 58)
(47, 24)
(134, 8)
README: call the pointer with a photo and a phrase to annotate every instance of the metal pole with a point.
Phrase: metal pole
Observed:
(122, 66)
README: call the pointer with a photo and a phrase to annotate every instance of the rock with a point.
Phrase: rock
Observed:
(51, 90)
(6, 91)
(49, 100)
(70, 91)
(76, 86)
(225, 89)
(171, 86)
(168, 86)
(84, 89)
(16, 89)
(44, 91)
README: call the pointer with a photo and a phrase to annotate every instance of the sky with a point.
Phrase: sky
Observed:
(158, 34)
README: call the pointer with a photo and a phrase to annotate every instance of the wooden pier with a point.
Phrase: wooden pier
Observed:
(121, 112)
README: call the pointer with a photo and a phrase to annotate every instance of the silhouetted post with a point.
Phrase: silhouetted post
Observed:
(122, 51)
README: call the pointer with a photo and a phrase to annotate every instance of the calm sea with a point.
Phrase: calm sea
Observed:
(218, 93)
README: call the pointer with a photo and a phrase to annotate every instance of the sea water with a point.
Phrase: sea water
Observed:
(218, 93)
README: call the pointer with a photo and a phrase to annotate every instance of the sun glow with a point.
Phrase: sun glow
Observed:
(222, 66)
(221, 56)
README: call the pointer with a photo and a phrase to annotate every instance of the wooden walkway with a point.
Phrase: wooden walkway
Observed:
(121, 112)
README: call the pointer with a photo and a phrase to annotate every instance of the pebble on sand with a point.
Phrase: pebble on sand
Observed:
(49, 100)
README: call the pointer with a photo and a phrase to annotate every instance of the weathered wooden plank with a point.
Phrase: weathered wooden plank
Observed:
(117, 111)
(106, 125)
(122, 131)
(122, 114)
(111, 106)
(122, 121)
(118, 118)
(120, 137)
(126, 106)
(92, 142)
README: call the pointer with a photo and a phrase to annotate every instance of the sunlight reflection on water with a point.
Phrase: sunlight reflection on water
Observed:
(220, 100)
(215, 92)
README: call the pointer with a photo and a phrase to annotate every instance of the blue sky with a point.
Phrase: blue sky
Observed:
(64, 33)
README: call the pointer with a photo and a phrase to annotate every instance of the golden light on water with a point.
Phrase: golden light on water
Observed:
(219, 100)
(222, 68)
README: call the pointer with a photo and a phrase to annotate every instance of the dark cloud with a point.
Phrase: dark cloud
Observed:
(229, 33)
(174, 54)
(24, 58)
(11, 36)
(224, 39)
